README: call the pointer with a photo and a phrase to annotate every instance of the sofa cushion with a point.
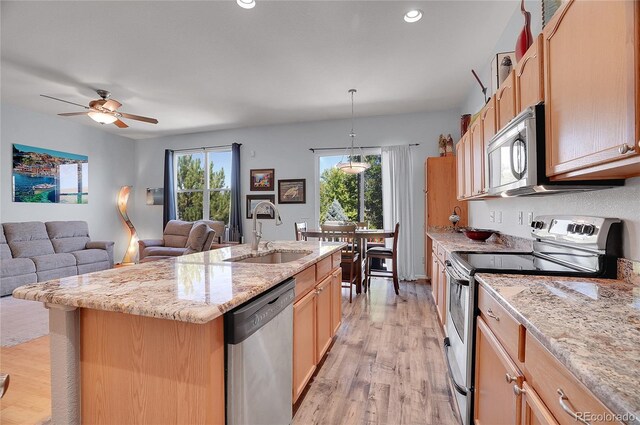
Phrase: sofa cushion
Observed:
(68, 236)
(5, 251)
(9, 283)
(16, 267)
(28, 239)
(53, 261)
(88, 256)
(176, 233)
(93, 267)
(163, 251)
(197, 237)
(57, 273)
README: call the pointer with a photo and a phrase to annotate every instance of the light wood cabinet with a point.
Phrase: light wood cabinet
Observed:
(324, 330)
(336, 300)
(506, 101)
(442, 293)
(304, 342)
(534, 412)
(468, 165)
(460, 171)
(477, 152)
(592, 94)
(496, 402)
(529, 77)
(488, 121)
(435, 278)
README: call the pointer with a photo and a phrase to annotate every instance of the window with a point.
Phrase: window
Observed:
(203, 185)
(351, 197)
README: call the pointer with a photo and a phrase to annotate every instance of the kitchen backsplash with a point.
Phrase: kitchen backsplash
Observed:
(629, 271)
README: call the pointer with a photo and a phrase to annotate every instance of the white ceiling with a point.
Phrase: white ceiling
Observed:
(207, 65)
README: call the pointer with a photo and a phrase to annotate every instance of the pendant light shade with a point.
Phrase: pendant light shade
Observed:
(350, 166)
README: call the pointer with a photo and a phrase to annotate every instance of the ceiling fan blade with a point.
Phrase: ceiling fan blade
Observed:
(72, 114)
(120, 124)
(112, 104)
(139, 118)
(65, 101)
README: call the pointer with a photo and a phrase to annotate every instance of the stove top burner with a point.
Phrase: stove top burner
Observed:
(521, 262)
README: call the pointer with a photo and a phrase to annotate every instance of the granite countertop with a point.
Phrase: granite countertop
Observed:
(457, 241)
(194, 288)
(592, 326)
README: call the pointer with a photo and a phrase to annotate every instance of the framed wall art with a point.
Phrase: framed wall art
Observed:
(265, 211)
(292, 191)
(262, 179)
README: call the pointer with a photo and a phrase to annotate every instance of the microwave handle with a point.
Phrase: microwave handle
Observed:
(516, 174)
(459, 388)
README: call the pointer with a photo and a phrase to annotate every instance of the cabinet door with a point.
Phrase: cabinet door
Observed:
(435, 277)
(468, 163)
(324, 329)
(304, 342)
(442, 293)
(488, 121)
(591, 84)
(496, 402)
(477, 152)
(529, 83)
(336, 300)
(534, 412)
(506, 102)
(460, 172)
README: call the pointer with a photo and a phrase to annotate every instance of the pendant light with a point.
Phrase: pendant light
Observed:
(350, 166)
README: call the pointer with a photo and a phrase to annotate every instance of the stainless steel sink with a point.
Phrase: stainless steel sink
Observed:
(272, 258)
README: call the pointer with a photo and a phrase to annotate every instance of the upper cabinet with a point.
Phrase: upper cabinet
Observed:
(477, 153)
(460, 174)
(506, 101)
(468, 164)
(591, 78)
(529, 77)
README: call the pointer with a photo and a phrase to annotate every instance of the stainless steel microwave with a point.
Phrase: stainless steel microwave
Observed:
(515, 159)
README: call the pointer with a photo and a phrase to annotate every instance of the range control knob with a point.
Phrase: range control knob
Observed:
(579, 229)
(537, 224)
(571, 228)
(588, 229)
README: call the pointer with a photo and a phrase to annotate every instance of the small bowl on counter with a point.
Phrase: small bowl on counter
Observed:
(478, 234)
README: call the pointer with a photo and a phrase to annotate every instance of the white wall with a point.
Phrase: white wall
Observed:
(286, 149)
(623, 202)
(111, 165)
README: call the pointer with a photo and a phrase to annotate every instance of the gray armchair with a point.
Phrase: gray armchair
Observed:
(174, 241)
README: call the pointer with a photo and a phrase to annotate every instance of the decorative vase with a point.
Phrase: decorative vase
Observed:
(504, 69)
(442, 145)
(465, 120)
(449, 146)
(525, 39)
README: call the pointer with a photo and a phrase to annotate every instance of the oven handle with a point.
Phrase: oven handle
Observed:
(459, 388)
(454, 276)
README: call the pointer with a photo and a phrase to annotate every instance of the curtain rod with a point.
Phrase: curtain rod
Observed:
(203, 148)
(361, 147)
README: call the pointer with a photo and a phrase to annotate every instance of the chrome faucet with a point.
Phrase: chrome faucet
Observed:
(257, 230)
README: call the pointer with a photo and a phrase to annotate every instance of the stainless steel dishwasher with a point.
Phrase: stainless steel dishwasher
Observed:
(259, 353)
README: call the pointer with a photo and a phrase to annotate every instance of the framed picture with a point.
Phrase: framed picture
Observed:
(292, 191)
(262, 179)
(265, 211)
(500, 70)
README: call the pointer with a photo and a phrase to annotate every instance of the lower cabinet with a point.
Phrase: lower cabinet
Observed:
(439, 285)
(317, 315)
(534, 412)
(496, 401)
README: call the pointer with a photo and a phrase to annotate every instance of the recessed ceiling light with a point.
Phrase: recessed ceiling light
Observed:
(246, 4)
(411, 16)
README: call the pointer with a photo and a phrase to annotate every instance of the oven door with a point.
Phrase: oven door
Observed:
(458, 344)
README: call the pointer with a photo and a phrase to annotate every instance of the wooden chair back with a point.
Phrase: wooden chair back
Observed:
(299, 228)
(340, 233)
(362, 225)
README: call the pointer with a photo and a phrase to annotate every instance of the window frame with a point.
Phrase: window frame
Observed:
(206, 190)
(340, 152)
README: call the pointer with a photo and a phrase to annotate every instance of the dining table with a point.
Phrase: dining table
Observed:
(362, 236)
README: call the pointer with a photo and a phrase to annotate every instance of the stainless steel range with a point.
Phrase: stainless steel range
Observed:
(563, 246)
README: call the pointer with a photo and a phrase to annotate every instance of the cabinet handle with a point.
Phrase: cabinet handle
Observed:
(625, 149)
(518, 391)
(492, 315)
(510, 378)
(565, 406)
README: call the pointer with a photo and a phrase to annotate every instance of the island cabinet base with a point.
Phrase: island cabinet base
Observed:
(144, 370)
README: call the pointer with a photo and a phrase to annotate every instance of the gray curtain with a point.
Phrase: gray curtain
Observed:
(169, 208)
(235, 218)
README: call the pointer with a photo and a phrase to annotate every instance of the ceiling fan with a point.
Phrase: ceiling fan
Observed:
(104, 110)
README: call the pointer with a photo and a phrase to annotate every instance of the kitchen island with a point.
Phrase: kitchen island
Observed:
(145, 344)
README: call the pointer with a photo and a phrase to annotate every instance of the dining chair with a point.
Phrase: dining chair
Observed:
(350, 261)
(300, 227)
(362, 225)
(383, 253)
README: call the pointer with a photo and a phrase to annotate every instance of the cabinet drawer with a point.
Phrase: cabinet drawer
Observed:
(323, 268)
(548, 377)
(504, 326)
(305, 281)
(336, 259)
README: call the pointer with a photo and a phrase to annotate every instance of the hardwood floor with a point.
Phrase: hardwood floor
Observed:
(386, 365)
(28, 399)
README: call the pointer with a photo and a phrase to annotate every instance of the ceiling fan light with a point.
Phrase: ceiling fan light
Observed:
(102, 118)
(246, 4)
(411, 16)
(353, 167)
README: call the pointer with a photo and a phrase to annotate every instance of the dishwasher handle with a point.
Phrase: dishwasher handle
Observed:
(243, 321)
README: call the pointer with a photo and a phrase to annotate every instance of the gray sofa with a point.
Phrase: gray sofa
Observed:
(174, 240)
(35, 252)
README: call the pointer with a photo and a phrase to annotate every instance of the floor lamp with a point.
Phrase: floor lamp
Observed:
(123, 198)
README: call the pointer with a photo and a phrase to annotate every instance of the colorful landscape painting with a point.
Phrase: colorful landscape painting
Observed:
(48, 176)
